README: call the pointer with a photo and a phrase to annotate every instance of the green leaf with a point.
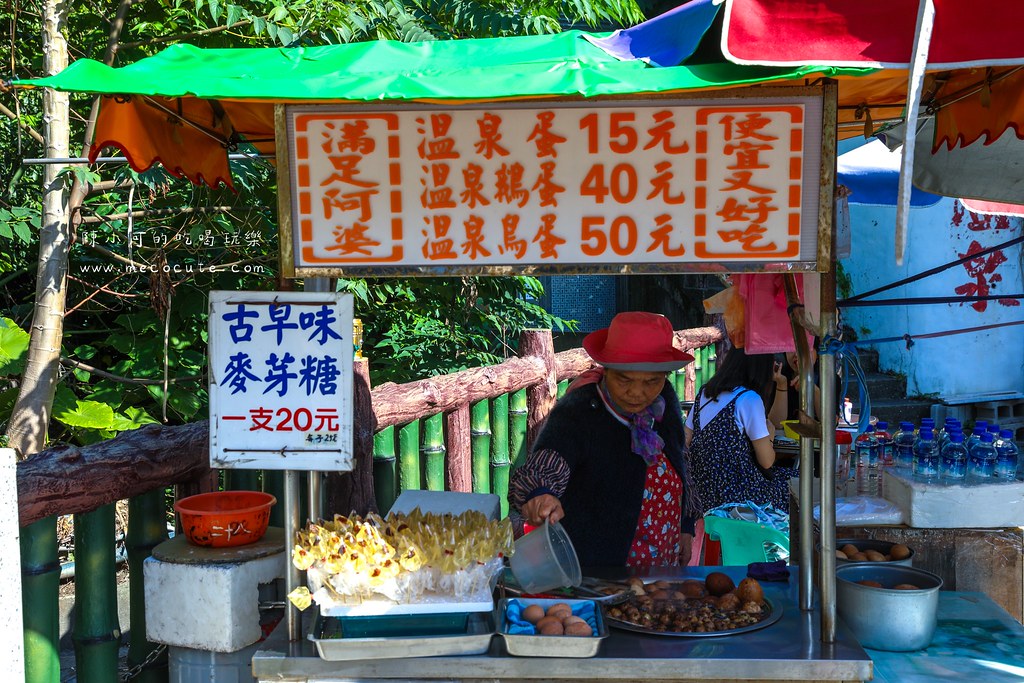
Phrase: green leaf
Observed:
(234, 13)
(13, 347)
(185, 402)
(5, 230)
(74, 412)
(133, 418)
(23, 231)
(215, 9)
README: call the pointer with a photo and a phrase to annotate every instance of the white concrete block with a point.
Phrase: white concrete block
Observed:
(939, 506)
(207, 606)
(12, 638)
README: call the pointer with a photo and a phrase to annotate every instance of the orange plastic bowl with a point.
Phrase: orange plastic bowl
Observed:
(225, 518)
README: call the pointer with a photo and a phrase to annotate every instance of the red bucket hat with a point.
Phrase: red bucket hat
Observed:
(636, 341)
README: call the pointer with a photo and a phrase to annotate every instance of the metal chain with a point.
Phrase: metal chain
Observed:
(134, 671)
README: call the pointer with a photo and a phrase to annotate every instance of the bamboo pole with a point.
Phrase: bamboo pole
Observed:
(409, 457)
(384, 469)
(712, 360)
(40, 579)
(480, 435)
(698, 371)
(433, 451)
(147, 528)
(96, 634)
(563, 386)
(518, 415)
(500, 461)
(273, 483)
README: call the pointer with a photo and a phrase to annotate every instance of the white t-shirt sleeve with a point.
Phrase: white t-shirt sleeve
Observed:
(750, 416)
(689, 415)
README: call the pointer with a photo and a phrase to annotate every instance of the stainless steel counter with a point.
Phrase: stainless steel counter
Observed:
(788, 650)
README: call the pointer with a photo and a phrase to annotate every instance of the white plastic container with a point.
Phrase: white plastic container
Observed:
(545, 559)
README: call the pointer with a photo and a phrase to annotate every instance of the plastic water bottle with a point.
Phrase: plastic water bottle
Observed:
(886, 459)
(974, 438)
(953, 463)
(1006, 456)
(981, 460)
(926, 455)
(903, 447)
(866, 448)
(994, 430)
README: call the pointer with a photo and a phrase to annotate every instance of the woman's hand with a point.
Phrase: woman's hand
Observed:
(539, 508)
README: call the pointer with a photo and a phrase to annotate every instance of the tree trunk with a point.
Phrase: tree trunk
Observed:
(26, 430)
(353, 491)
(69, 480)
(540, 397)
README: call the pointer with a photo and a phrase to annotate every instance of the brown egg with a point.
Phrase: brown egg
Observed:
(580, 628)
(874, 556)
(661, 595)
(751, 607)
(728, 602)
(692, 588)
(859, 557)
(550, 626)
(718, 583)
(906, 587)
(533, 613)
(873, 584)
(662, 585)
(840, 555)
(573, 620)
(560, 610)
(899, 552)
(850, 549)
(750, 590)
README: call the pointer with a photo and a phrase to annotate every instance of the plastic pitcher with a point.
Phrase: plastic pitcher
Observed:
(545, 559)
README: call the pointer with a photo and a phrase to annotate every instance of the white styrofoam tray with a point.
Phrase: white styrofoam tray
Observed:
(374, 608)
(939, 506)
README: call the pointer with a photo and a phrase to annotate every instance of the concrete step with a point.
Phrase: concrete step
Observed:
(868, 359)
(881, 386)
(896, 411)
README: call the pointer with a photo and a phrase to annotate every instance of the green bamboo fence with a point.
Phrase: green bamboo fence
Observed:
(500, 461)
(96, 634)
(409, 457)
(385, 479)
(147, 528)
(480, 445)
(433, 451)
(40, 580)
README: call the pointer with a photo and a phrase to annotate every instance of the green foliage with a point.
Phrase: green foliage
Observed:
(420, 327)
(138, 280)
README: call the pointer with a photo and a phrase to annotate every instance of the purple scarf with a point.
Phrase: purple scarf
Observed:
(646, 442)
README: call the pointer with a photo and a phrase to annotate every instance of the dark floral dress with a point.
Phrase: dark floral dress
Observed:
(723, 464)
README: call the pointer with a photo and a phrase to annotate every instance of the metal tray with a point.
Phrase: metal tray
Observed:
(775, 613)
(521, 645)
(332, 646)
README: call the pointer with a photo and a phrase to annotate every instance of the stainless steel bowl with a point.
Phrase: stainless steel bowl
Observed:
(863, 544)
(886, 618)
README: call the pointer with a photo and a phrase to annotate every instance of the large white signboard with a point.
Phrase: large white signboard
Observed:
(281, 380)
(535, 186)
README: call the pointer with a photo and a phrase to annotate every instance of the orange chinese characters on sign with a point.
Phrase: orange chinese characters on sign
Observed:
(748, 189)
(350, 198)
(437, 149)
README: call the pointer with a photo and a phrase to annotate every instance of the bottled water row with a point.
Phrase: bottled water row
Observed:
(941, 455)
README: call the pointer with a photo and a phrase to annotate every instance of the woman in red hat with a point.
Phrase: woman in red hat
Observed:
(609, 462)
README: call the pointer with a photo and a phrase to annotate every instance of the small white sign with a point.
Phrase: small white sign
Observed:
(281, 380)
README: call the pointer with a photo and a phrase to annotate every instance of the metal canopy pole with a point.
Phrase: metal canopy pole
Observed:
(807, 430)
(827, 580)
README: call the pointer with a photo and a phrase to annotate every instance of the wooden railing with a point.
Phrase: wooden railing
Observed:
(463, 432)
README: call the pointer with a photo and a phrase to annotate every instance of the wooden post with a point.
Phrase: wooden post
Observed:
(540, 398)
(353, 491)
(458, 474)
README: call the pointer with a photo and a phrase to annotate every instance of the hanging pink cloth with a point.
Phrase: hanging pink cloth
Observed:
(766, 320)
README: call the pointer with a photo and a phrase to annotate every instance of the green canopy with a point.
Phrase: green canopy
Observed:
(495, 68)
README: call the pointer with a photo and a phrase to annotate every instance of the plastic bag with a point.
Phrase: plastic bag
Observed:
(864, 511)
